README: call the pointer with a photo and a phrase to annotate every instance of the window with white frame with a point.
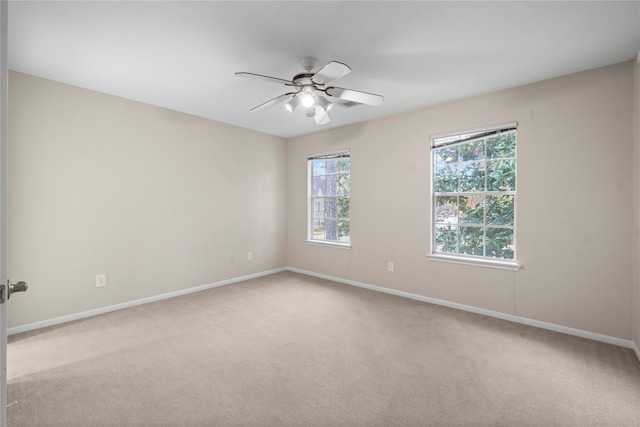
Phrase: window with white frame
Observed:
(474, 194)
(329, 197)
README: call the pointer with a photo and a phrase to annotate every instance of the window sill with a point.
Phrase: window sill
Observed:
(329, 244)
(502, 265)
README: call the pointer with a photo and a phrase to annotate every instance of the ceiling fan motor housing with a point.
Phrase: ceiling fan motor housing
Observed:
(303, 80)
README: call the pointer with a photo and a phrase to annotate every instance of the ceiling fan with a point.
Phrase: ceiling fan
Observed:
(310, 90)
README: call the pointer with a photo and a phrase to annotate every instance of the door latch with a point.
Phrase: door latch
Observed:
(10, 288)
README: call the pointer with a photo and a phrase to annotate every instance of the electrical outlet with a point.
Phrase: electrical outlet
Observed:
(101, 280)
(390, 266)
(249, 256)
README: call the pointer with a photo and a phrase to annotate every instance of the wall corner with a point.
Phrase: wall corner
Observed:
(635, 250)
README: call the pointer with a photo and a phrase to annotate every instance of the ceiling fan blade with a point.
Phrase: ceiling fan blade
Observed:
(321, 117)
(355, 96)
(332, 71)
(275, 101)
(267, 78)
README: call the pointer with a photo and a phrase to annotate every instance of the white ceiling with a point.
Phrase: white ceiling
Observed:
(182, 55)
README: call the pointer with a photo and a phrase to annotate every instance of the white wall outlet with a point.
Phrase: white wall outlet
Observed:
(249, 256)
(390, 266)
(101, 280)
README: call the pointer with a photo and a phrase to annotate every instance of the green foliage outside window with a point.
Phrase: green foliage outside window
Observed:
(474, 197)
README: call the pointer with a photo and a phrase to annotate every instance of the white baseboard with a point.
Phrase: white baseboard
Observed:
(536, 323)
(543, 325)
(102, 310)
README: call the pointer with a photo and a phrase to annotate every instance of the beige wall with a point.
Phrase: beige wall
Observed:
(160, 201)
(574, 208)
(636, 204)
(156, 199)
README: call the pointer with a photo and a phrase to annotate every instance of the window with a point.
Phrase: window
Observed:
(474, 196)
(329, 192)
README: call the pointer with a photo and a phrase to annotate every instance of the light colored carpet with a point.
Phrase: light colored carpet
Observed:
(292, 350)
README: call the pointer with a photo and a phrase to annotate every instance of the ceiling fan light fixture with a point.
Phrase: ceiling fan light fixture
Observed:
(308, 99)
(293, 104)
(321, 116)
(324, 103)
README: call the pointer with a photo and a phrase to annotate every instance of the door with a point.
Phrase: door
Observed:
(6, 288)
(3, 208)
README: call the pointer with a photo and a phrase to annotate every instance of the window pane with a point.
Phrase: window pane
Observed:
(501, 175)
(331, 229)
(500, 243)
(446, 209)
(472, 176)
(331, 185)
(332, 166)
(471, 240)
(446, 155)
(446, 239)
(318, 229)
(343, 208)
(344, 166)
(471, 210)
(344, 184)
(472, 151)
(474, 185)
(331, 207)
(502, 146)
(319, 186)
(446, 179)
(344, 231)
(500, 210)
(318, 207)
(319, 167)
